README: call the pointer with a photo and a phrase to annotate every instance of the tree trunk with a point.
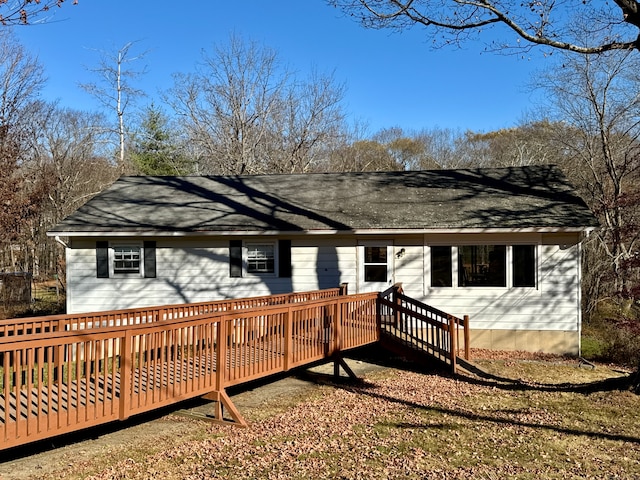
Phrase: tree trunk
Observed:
(635, 381)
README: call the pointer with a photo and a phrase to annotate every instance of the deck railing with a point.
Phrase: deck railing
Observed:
(423, 327)
(134, 316)
(67, 373)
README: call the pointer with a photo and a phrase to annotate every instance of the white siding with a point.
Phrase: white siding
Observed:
(193, 270)
(554, 305)
(409, 265)
(190, 270)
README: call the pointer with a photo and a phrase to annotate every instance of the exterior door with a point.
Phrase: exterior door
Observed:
(375, 267)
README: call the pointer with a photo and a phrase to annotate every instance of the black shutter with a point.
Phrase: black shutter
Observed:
(235, 258)
(284, 258)
(150, 259)
(102, 259)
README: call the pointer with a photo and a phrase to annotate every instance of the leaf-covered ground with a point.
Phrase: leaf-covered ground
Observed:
(514, 418)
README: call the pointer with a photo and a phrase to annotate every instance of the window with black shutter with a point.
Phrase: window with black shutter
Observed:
(235, 258)
(284, 258)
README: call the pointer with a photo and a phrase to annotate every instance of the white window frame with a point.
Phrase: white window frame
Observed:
(365, 264)
(245, 258)
(112, 260)
(508, 266)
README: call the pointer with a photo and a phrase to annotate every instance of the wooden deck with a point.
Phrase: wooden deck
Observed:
(65, 373)
(62, 373)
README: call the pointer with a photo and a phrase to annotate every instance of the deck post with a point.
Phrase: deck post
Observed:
(338, 361)
(337, 329)
(222, 400)
(467, 343)
(126, 374)
(453, 343)
(288, 338)
(397, 290)
(221, 351)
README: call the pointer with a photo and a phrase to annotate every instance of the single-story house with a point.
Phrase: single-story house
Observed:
(501, 245)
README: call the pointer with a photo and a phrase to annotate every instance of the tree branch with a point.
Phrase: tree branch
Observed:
(548, 23)
(25, 12)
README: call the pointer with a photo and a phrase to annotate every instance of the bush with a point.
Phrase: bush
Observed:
(612, 334)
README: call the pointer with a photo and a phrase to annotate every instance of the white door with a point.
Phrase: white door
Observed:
(375, 267)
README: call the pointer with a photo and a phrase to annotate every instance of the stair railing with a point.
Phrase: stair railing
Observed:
(423, 327)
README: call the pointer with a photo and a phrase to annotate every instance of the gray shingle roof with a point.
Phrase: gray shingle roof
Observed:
(506, 198)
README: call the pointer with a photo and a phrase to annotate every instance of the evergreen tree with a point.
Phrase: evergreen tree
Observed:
(155, 150)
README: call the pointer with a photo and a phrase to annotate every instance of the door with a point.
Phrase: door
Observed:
(375, 267)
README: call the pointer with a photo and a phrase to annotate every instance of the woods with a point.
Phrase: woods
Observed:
(242, 110)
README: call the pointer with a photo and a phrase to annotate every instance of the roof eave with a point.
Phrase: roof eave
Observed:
(359, 231)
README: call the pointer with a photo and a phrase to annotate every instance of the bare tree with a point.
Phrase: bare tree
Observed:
(559, 25)
(24, 12)
(308, 122)
(21, 78)
(531, 143)
(115, 89)
(226, 105)
(363, 156)
(67, 155)
(244, 112)
(598, 100)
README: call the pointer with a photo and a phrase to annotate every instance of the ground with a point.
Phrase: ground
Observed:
(401, 421)
(52, 458)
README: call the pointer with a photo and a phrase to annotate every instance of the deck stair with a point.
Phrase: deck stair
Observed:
(419, 332)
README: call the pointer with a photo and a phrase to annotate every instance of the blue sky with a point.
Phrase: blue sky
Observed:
(392, 79)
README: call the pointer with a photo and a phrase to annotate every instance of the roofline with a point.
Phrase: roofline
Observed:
(378, 231)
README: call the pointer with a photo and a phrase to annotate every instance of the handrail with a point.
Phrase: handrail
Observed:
(81, 321)
(423, 327)
(58, 378)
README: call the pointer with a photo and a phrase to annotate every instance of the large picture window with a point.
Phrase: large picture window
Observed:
(484, 266)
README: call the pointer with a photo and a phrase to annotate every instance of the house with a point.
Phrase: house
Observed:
(500, 245)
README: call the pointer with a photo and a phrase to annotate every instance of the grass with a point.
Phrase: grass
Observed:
(516, 419)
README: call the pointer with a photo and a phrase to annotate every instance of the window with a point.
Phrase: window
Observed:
(260, 258)
(441, 274)
(126, 259)
(524, 265)
(485, 266)
(120, 259)
(482, 266)
(375, 264)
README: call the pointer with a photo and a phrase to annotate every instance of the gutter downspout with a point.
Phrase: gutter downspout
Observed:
(60, 241)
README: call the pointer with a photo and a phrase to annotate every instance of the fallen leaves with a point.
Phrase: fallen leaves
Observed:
(408, 425)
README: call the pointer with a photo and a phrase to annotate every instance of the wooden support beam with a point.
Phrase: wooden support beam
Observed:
(224, 402)
(338, 362)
